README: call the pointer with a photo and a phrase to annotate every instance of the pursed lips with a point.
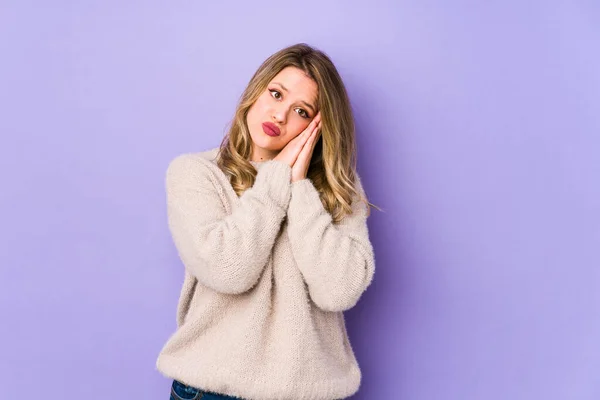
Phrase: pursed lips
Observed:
(271, 129)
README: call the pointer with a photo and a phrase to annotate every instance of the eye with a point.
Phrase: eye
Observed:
(275, 94)
(302, 113)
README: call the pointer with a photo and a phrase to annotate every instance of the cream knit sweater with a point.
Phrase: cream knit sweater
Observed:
(267, 277)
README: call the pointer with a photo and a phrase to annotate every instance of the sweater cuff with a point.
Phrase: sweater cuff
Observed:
(273, 179)
(305, 197)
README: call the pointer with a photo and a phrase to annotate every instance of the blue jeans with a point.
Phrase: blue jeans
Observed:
(181, 391)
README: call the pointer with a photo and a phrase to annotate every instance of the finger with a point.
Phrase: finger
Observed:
(313, 133)
(313, 138)
(313, 124)
(303, 139)
(311, 145)
(303, 154)
(307, 133)
(308, 146)
(317, 127)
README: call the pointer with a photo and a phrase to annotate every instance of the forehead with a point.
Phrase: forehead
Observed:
(297, 82)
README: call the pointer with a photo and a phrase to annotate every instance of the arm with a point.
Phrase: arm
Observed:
(226, 252)
(335, 259)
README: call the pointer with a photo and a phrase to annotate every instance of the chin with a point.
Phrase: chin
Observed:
(265, 141)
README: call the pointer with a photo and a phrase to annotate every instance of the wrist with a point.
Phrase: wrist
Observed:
(299, 179)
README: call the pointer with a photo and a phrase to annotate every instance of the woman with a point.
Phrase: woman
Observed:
(272, 230)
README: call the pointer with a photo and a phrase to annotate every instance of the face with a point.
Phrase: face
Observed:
(287, 106)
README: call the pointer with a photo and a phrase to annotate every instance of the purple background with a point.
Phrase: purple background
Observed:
(479, 134)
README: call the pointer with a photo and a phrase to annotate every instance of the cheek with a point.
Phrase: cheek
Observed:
(260, 105)
(293, 129)
(297, 127)
(256, 113)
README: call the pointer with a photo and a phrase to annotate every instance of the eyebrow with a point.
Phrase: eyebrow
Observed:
(302, 101)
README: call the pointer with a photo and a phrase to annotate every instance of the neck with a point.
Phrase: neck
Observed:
(262, 155)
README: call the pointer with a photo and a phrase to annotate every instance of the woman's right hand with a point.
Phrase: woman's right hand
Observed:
(290, 152)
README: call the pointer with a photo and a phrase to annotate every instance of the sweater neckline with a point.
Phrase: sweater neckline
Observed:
(258, 163)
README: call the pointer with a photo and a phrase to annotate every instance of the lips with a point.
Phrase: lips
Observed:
(271, 129)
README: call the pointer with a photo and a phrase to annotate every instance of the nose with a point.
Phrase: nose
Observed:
(279, 115)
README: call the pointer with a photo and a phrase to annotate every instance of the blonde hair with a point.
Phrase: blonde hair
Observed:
(332, 167)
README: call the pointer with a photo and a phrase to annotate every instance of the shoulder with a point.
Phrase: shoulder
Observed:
(360, 200)
(358, 186)
(203, 163)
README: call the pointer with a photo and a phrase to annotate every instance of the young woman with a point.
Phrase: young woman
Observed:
(272, 230)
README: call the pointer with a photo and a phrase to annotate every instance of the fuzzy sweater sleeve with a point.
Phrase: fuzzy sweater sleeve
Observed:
(225, 251)
(335, 259)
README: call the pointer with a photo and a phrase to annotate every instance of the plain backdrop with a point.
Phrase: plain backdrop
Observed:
(478, 128)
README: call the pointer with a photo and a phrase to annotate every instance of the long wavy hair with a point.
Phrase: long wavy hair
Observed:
(332, 168)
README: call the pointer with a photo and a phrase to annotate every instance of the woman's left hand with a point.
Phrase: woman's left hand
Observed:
(300, 167)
